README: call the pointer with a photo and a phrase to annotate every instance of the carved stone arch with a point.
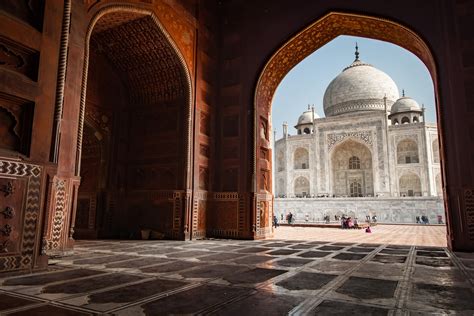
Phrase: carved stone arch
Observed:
(301, 158)
(9, 138)
(312, 38)
(407, 150)
(409, 184)
(158, 76)
(301, 186)
(343, 176)
(134, 10)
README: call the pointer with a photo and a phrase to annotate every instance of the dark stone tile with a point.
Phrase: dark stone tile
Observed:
(369, 245)
(302, 246)
(437, 276)
(445, 297)
(50, 310)
(314, 254)
(360, 249)
(403, 247)
(432, 254)
(262, 303)
(9, 302)
(349, 256)
(227, 248)
(433, 262)
(342, 244)
(159, 251)
(171, 267)
(292, 262)
(192, 301)
(135, 292)
(137, 263)
(188, 254)
(364, 288)
(221, 256)
(343, 308)
(40, 279)
(282, 252)
(316, 243)
(395, 251)
(103, 260)
(468, 263)
(254, 259)
(330, 248)
(306, 281)
(95, 283)
(253, 250)
(430, 249)
(389, 259)
(212, 271)
(257, 275)
(276, 244)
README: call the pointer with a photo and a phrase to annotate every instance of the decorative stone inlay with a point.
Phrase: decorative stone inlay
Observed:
(469, 207)
(335, 138)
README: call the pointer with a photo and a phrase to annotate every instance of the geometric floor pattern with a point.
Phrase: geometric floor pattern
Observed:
(236, 277)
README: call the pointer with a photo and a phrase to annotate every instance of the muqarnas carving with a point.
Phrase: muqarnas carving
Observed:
(16, 116)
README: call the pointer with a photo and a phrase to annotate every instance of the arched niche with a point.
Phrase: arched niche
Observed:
(301, 187)
(301, 158)
(351, 167)
(409, 184)
(151, 139)
(407, 151)
(435, 149)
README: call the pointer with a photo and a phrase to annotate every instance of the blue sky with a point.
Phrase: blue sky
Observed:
(305, 84)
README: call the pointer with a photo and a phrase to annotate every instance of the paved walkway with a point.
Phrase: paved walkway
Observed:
(420, 235)
(238, 277)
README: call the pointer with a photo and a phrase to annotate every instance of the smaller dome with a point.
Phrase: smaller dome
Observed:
(307, 117)
(405, 104)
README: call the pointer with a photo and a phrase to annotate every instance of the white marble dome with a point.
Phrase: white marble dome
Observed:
(359, 87)
(405, 104)
(307, 117)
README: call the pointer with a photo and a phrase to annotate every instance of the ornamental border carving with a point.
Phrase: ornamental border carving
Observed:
(25, 258)
(335, 138)
(469, 209)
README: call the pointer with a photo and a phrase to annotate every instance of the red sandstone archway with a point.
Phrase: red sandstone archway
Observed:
(156, 75)
(294, 51)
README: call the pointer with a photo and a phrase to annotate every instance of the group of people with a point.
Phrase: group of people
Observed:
(348, 222)
(289, 219)
(423, 220)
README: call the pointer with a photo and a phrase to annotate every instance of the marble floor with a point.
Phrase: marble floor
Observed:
(236, 277)
(420, 235)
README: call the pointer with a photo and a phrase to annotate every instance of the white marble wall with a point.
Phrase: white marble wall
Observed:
(387, 210)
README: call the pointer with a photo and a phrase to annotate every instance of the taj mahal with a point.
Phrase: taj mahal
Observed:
(372, 154)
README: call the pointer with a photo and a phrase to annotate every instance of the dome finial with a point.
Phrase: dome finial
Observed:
(403, 92)
(357, 53)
